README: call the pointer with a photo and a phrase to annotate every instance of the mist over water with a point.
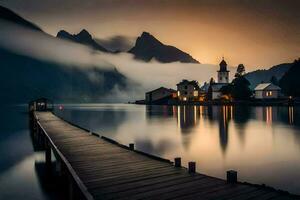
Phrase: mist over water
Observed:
(145, 76)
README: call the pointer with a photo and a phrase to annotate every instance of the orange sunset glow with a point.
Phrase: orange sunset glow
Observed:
(257, 33)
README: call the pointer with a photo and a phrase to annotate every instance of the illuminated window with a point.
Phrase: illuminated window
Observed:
(270, 93)
(178, 93)
(195, 93)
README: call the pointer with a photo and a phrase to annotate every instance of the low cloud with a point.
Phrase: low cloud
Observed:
(39, 45)
(117, 43)
(142, 76)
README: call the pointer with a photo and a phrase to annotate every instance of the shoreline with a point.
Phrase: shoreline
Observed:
(222, 103)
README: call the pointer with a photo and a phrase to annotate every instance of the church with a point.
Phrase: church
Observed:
(223, 80)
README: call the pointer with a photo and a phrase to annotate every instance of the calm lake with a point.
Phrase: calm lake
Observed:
(261, 143)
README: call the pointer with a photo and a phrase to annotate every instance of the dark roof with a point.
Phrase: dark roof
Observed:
(223, 66)
(186, 82)
(161, 88)
(223, 62)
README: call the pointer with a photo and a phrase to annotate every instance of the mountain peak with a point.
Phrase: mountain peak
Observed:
(148, 47)
(147, 39)
(83, 37)
(84, 34)
(63, 34)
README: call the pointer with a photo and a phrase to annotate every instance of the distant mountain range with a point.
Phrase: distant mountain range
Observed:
(265, 75)
(84, 37)
(24, 78)
(147, 47)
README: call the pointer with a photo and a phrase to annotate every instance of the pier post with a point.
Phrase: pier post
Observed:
(192, 167)
(48, 155)
(59, 168)
(71, 188)
(131, 146)
(39, 135)
(231, 176)
(177, 162)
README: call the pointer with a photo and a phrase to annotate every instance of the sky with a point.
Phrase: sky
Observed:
(257, 33)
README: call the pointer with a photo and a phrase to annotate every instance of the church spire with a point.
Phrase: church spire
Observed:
(223, 65)
(223, 73)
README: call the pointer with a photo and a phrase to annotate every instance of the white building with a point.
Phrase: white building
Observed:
(159, 94)
(267, 91)
(216, 90)
(223, 80)
(187, 90)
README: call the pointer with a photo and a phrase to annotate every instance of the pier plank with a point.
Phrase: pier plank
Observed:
(104, 170)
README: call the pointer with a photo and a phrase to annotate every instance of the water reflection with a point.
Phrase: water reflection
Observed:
(291, 115)
(189, 117)
(21, 172)
(261, 143)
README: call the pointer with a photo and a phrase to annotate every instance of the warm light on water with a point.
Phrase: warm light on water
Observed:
(261, 143)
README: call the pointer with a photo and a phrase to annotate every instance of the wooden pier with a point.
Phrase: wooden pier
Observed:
(99, 168)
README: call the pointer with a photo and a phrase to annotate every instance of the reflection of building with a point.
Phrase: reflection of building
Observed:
(160, 95)
(223, 80)
(267, 91)
(291, 114)
(226, 114)
(222, 115)
(160, 111)
(188, 90)
(188, 117)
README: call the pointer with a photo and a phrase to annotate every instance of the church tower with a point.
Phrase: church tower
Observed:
(223, 73)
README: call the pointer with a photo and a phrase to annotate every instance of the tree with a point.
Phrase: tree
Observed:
(274, 80)
(240, 71)
(226, 90)
(212, 81)
(238, 89)
(290, 81)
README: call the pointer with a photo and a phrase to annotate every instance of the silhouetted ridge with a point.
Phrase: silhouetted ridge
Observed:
(148, 47)
(23, 78)
(83, 37)
(265, 75)
(11, 16)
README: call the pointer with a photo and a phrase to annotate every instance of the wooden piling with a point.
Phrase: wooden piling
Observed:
(131, 146)
(177, 162)
(231, 176)
(192, 167)
(71, 189)
(48, 155)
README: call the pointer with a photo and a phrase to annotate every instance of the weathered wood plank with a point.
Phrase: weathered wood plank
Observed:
(109, 171)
